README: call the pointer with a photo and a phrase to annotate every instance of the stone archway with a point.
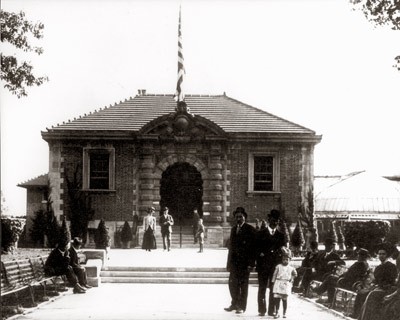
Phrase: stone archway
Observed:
(181, 190)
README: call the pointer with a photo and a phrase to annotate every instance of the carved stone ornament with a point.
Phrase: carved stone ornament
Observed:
(182, 126)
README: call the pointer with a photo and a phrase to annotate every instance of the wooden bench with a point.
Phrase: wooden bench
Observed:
(20, 278)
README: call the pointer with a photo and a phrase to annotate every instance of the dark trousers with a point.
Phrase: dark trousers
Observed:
(329, 285)
(264, 282)
(81, 275)
(67, 271)
(166, 237)
(238, 287)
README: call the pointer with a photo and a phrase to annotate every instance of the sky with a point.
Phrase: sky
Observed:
(319, 64)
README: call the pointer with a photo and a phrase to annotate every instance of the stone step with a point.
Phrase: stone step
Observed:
(175, 280)
(183, 275)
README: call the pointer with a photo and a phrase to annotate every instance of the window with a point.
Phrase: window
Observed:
(263, 173)
(98, 169)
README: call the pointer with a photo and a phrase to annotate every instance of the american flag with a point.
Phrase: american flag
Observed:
(179, 96)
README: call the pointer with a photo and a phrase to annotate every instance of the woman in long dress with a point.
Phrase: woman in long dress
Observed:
(149, 227)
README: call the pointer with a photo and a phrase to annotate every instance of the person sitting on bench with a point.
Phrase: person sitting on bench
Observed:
(57, 264)
(357, 272)
(79, 270)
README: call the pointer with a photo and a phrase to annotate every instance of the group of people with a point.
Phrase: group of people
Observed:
(378, 292)
(166, 222)
(64, 261)
(266, 250)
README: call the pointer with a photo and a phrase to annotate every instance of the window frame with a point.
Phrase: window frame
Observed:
(86, 167)
(275, 172)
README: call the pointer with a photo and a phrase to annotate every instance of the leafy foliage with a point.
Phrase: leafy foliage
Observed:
(15, 30)
(365, 234)
(11, 229)
(381, 13)
(102, 239)
(80, 211)
(126, 232)
(306, 214)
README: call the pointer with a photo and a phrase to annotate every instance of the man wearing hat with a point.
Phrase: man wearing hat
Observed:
(166, 223)
(79, 270)
(240, 260)
(269, 242)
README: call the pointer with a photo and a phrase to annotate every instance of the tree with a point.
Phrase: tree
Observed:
(297, 237)
(285, 230)
(80, 211)
(332, 232)
(16, 30)
(126, 234)
(381, 13)
(65, 235)
(307, 216)
(366, 234)
(102, 239)
(341, 239)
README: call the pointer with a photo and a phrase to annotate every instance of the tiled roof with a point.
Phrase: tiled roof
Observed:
(231, 115)
(40, 181)
(359, 192)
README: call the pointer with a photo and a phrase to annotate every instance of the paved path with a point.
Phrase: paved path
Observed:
(162, 301)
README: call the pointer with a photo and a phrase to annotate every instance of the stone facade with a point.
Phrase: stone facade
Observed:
(223, 161)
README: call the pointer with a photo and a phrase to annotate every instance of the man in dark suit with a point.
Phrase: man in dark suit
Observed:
(268, 254)
(240, 260)
(166, 223)
(79, 270)
(57, 264)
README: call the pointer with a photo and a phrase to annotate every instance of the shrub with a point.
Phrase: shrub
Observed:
(366, 234)
(102, 239)
(298, 237)
(126, 233)
(11, 229)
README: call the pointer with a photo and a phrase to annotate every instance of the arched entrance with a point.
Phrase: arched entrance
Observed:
(181, 190)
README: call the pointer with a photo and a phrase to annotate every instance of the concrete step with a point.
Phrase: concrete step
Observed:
(191, 275)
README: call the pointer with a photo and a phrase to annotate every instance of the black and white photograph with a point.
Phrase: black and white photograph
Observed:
(200, 159)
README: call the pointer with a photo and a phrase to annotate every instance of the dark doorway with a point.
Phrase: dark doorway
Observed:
(181, 190)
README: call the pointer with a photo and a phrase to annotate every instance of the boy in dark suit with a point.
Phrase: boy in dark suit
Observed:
(268, 255)
(240, 260)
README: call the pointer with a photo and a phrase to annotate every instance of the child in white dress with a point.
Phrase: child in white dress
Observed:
(282, 283)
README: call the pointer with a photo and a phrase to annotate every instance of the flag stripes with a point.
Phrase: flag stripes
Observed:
(181, 69)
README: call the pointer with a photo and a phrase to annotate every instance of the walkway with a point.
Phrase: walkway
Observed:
(162, 301)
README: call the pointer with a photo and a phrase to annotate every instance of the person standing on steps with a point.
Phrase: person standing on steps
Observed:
(166, 223)
(240, 260)
(200, 234)
(149, 228)
(196, 218)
